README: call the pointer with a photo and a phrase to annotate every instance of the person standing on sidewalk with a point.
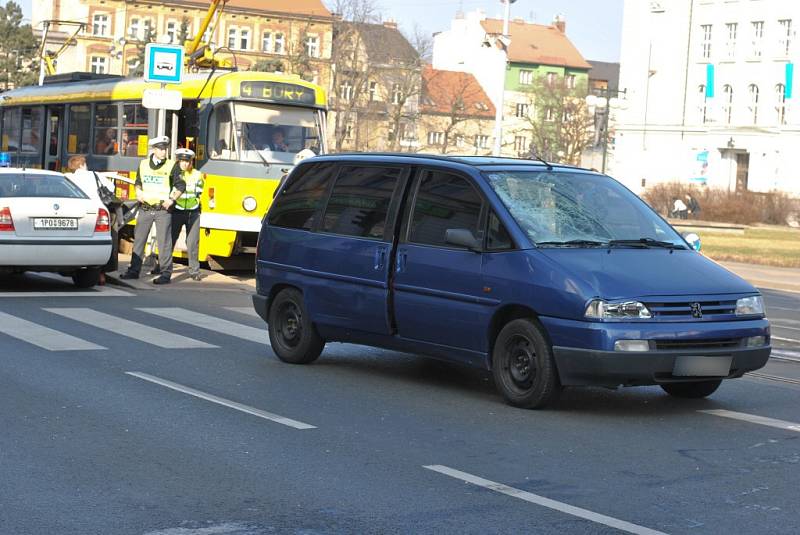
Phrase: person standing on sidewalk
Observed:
(158, 186)
(187, 209)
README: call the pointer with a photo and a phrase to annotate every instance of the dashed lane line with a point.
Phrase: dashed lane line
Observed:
(544, 502)
(754, 419)
(211, 323)
(130, 329)
(780, 338)
(42, 336)
(222, 401)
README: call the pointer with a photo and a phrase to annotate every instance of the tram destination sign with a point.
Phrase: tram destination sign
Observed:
(278, 92)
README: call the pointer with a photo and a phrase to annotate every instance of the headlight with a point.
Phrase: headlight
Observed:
(750, 306)
(600, 309)
(249, 204)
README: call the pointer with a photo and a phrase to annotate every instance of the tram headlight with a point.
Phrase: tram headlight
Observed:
(249, 204)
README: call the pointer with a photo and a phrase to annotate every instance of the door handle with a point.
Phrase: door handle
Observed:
(380, 259)
(401, 262)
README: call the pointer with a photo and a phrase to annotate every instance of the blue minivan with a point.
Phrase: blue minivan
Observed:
(548, 275)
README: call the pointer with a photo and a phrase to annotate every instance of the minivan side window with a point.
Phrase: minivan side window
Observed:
(497, 237)
(359, 203)
(298, 202)
(444, 201)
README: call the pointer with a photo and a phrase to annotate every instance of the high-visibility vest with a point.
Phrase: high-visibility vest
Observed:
(190, 200)
(155, 182)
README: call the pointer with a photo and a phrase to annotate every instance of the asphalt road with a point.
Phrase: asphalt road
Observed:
(109, 434)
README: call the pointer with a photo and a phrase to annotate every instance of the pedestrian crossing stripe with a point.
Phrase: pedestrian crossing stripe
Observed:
(211, 323)
(130, 329)
(41, 336)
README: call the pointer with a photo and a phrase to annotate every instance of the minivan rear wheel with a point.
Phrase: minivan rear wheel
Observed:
(293, 337)
(523, 366)
(695, 390)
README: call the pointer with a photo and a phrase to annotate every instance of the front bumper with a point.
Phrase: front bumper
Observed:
(614, 368)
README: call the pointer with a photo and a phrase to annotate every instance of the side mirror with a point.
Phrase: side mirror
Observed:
(692, 239)
(463, 238)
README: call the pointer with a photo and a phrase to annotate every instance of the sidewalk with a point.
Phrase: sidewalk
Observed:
(773, 278)
(180, 278)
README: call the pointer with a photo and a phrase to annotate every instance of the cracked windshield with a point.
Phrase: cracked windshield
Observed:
(579, 210)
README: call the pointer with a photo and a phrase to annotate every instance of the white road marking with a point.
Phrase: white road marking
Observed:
(130, 329)
(772, 307)
(222, 401)
(779, 326)
(211, 323)
(248, 311)
(753, 419)
(785, 339)
(778, 321)
(41, 336)
(101, 291)
(544, 502)
(785, 353)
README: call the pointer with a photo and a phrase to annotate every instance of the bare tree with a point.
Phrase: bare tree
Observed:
(454, 104)
(557, 120)
(401, 82)
(350, 66)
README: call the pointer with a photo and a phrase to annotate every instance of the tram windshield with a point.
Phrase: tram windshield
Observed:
(255, 132)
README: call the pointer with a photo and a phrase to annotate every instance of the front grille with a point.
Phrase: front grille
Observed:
(682, 310)
(722, 343)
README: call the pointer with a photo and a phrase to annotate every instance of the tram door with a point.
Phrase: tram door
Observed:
(53, 144)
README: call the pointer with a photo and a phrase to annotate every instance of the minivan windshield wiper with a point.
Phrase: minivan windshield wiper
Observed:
(572, 243)
(645, 243)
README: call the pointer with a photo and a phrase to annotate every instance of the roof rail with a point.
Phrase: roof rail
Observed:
(69, 77)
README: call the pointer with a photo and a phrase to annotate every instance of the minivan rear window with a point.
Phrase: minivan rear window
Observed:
(359, 203)
(298, 201)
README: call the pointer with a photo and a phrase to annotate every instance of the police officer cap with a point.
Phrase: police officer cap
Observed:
(184, 154)
(159, 141)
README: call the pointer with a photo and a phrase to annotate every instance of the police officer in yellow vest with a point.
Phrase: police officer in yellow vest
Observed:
(158, 186)
(187, 209)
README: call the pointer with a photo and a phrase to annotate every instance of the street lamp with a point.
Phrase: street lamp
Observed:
(504, 41)
(603, 102)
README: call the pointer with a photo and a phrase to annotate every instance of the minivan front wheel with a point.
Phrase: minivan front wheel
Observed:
(293, 337)
(523, 366)
(695, 390)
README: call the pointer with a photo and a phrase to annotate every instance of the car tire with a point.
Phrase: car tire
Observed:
(293, 337)
(86, 277)
(523, 367)
(695, 390)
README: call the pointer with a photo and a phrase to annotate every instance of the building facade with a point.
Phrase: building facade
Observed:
(293, 36)
(709, 93)
(456, 114)
(376, 87)
(536, 53)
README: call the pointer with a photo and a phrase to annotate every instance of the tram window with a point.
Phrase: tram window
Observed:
(11, 129)
(79, 123)
(32, 119)
(134, 133)
(274, 133)
(221, 134)
(105, 129)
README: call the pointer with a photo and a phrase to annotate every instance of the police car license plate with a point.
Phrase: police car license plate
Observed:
(702, 366)
(55, 223)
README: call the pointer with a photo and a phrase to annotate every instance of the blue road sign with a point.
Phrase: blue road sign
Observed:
(163, 63)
